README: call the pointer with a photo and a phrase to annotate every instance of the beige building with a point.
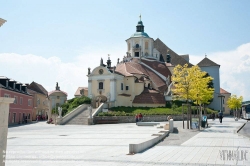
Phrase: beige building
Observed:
(57, 97)
(225, 96)
(81, 91)
(40, 101)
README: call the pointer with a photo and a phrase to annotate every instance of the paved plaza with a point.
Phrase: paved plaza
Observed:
(41, 144)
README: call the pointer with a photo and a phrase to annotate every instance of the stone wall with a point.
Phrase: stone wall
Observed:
(149, 118)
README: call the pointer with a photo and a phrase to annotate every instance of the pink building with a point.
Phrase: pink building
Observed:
(21, 109)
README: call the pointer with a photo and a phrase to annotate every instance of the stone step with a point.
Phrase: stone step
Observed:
(80, 119)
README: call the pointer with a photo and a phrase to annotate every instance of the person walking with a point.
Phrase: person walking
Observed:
(136, 118)
(220, 116)
(140, 117)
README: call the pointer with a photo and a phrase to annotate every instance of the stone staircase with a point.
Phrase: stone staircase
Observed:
(80, 119)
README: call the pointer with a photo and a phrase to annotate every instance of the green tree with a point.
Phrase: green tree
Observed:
(234, 103)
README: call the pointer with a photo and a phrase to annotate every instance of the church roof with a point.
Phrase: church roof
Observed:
(207, 62)
(222, 91)
(159, 67)
(149, 97)
(164, 50)
(140, 34)
(133, 67)
(2, 21)
(59, 91)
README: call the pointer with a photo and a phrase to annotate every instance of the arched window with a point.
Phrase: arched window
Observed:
(100, 85)
(137, 46)
(146, 45)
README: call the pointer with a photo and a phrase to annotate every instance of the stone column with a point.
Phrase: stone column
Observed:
(112, 89)
(4, 116)
(90, 118)
(89, 88)
(50, 108)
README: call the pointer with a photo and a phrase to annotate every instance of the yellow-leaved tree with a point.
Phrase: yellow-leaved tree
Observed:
(182, 85)
(190, 84)
(200, 92)
(234, 103)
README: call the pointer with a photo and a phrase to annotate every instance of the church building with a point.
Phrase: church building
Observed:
(142, 78)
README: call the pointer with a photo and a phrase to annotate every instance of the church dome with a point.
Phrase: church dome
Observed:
(140, 34)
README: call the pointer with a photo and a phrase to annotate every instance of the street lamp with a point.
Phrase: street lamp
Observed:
(221, 104)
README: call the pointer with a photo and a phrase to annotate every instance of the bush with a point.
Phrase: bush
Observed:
(73, 103)
(132, 111)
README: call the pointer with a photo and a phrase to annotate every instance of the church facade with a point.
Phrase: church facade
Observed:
(142, 78)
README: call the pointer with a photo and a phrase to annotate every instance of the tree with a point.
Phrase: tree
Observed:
(182, 85)
(192, 84)
(234, 103)
(200, 91)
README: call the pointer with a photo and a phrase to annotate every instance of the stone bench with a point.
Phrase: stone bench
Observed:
(148, 142)
(147, 123)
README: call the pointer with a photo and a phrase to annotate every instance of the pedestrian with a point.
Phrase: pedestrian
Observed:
(213, 116)
(26, 119)
(220, 116)
(140, 117)
(136, 118)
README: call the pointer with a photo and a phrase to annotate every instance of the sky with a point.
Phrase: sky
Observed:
(56, 41)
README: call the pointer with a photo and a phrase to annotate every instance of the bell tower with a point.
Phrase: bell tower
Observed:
(140, 45)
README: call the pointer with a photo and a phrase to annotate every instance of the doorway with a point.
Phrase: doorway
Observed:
(137, 54)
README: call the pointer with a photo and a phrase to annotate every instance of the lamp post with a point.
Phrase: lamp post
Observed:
(221, 104)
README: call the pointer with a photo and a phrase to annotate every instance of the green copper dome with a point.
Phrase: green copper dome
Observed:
(140, 34)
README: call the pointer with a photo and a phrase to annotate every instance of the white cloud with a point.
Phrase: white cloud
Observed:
(234, 69)
(48, 71)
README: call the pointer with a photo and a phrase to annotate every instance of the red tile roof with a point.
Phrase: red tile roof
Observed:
(78, 90)
(54, 91)
(149, 97)
(133, 67)
(222, 91)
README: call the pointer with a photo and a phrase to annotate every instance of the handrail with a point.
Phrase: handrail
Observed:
(99, 109)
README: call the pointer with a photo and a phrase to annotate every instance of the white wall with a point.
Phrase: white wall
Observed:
(214, 71)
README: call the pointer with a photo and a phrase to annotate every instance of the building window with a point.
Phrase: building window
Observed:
(21, 100)
(7, 95)
(146, 45)
(121, 86)
(38, 101)
(16, 99)
(58, 97)
(29, 102)
(100, 85)
(127, 87)
(14, 118)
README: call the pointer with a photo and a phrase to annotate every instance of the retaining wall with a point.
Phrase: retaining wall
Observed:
(149, 118)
